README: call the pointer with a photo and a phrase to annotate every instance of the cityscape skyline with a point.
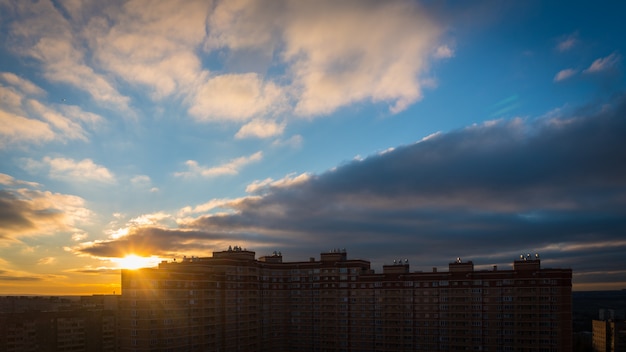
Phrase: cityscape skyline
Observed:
(134, 132)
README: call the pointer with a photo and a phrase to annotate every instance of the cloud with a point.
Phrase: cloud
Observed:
(567, 42)
(97, 271)
(335, 60)
(565, 74)
(25, 119)
(230, 168)
(39, 31)
(604, 64)
(487, 192)
(27, 212)
(235, 97)
(22, 84)
(71, 170)
(207, 207)
(19, 276)
(8, 180)
(46, 261)
(240, 62)
(149, 241)
(156, 49)
(260, 129)
(444, 52)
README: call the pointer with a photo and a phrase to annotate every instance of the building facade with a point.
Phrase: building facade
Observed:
(609, 335)
(235, 302)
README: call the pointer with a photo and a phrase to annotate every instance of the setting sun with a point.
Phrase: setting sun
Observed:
(133, 261)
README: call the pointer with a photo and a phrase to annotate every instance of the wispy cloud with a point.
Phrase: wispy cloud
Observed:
(8, 180)
(71, 170)
(260, 129)
(46, 261)
(230, 168)
(567, 42)
(22, 84)
(42, 33)
(604, 63)
(25, 119)
(565, 74)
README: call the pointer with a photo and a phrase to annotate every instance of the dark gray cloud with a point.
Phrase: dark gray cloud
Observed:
(26, 212)
(487, 192)
(12, 216)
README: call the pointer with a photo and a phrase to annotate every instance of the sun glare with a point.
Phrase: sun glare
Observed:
(133, 261)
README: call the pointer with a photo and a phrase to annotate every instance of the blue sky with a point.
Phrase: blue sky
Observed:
(395, 129)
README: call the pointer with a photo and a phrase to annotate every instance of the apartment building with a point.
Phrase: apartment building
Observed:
(60, 331)
(609, 335)
(235, 302)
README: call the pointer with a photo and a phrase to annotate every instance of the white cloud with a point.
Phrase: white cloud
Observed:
(215, 58)
(565, 74)
(25, 119)
(285, 182)
(24, 85)
(9, 180)
(44, 34)
(205, 207)
(149, 219)
(603, 63)
(68, 128)
(79, 236)
(71, 170)
(230, 168)
(336, 53)
(235, 97)
(336, 60)
(260, 129)
(15, 128)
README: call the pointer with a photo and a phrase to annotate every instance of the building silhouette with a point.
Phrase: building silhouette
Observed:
(234, 302)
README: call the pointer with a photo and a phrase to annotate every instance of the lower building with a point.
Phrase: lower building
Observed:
(61, 331)
(235, 302)
(609, 336)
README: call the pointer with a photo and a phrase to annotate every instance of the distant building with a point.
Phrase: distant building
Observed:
(609, 334)
(84, 325)
(234, 302)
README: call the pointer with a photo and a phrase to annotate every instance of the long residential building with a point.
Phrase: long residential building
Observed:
(235, 302)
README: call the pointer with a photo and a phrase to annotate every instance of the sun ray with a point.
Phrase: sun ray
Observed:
(133, 261)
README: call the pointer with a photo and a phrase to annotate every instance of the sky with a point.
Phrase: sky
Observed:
(138, 131)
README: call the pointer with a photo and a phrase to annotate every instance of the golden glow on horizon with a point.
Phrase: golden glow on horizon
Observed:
(133, 261)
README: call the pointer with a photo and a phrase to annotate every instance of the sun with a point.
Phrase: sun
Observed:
(133, 261)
